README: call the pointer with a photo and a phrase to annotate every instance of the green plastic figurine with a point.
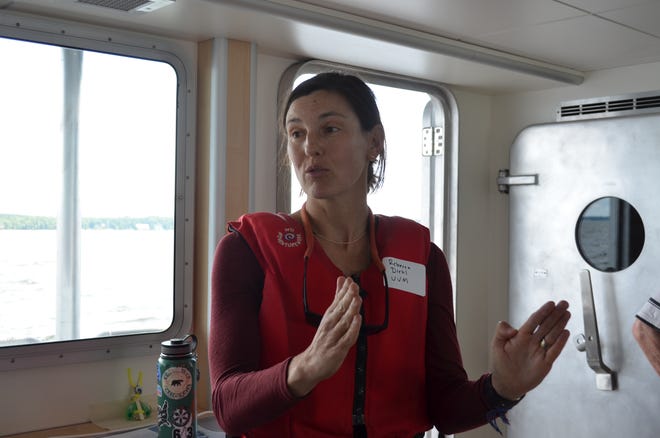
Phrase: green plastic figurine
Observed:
(137, 410)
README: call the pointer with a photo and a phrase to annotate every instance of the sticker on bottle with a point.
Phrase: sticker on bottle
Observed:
(177, 382)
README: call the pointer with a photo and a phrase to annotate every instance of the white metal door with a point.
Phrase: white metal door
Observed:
(570, 165)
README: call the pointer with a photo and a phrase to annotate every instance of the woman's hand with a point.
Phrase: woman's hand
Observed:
(337, 333)
(522, 358)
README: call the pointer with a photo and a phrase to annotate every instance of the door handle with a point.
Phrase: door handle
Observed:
(505, 179)
(589, 341)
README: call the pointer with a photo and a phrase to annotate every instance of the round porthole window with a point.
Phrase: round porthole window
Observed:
(609, 234)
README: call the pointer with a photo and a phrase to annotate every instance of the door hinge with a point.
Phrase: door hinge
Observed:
(433, 141)
(504, 180)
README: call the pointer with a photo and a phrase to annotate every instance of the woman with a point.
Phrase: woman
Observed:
(333, 322)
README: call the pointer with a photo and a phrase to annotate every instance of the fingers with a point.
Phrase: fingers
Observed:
(503, 332)
(548, 322)
(343, 314)
(557, 327)
(554, 348)
(536, 318)
(522, 358)
(336, 334)
(347, 298)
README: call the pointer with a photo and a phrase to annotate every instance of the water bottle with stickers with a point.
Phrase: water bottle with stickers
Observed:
(177, 382)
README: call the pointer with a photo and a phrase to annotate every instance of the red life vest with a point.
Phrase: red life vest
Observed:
(395, 390)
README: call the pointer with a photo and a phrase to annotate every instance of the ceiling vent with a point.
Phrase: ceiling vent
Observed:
(613, 106)
(130, 5)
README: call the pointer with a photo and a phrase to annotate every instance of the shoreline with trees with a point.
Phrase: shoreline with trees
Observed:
(24, 222)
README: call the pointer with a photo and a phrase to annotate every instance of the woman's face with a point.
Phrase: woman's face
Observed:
(327, 146)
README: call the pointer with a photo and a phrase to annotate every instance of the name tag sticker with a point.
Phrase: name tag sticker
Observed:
(406, 276)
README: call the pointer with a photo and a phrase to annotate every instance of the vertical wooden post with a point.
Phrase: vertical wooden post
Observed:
(236, 167)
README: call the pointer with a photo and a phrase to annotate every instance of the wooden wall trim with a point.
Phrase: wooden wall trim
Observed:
(202, 264)
(236, 165)
(238, 129)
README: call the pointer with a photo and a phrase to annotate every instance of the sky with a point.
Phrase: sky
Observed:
(127, 129)
(126, 137)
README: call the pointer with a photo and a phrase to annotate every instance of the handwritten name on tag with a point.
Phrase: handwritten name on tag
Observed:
(406, 276)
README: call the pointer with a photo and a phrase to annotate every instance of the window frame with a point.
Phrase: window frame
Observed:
(124, 43)
(442, 223)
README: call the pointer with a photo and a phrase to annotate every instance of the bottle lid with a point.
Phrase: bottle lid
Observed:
(179, 346)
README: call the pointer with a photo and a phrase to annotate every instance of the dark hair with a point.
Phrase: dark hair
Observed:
(361, 99)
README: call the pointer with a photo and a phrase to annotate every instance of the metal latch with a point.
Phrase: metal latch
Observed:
(504, 180)
(589, 341)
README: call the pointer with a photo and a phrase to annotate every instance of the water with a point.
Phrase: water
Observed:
(126, 283)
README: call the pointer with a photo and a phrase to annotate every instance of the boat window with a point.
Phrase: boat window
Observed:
(91, 228)
(610, 234)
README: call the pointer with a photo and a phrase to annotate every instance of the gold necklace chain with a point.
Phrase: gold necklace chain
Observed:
(357, 239)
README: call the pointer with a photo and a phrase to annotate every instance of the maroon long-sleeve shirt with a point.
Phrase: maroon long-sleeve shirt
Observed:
(245, 396)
